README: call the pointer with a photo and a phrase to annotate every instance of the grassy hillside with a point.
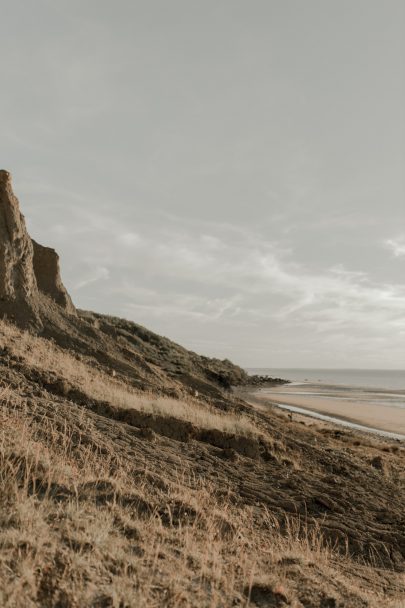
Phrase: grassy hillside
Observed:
(114, 494)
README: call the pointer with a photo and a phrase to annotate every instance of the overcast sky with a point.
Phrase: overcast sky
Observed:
(228, 173)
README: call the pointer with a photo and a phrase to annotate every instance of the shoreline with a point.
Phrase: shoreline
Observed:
(383, 420)
(342, 420)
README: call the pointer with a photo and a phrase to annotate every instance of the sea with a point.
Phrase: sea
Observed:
(384, 379)
(381, 387)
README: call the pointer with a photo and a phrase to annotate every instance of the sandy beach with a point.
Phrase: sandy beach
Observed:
(381, 410)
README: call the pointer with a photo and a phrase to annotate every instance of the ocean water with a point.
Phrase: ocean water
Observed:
(357, 388)
(384, 379)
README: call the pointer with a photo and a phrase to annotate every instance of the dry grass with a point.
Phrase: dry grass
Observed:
(81, 529)
(90, 520)
(40, 354)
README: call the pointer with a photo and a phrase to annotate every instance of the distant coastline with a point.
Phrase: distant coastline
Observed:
(390, 379)
(374, 410)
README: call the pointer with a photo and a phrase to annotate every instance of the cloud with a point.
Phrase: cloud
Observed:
(396, 246)
(218, 283)
(179, 305)
(229, 274)
(99, 274)
(129, 239)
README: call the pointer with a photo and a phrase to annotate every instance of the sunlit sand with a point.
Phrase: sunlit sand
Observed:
(382, 410)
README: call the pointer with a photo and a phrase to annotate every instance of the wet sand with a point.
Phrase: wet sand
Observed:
(341, 403)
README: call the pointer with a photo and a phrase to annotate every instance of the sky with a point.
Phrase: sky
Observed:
(228, 173)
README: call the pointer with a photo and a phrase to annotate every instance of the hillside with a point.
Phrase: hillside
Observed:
(131, 474)
(33, 296)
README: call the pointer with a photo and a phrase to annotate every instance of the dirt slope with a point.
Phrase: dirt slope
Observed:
(138, 502)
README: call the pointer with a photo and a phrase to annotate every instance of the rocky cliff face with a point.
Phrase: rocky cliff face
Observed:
(29, 273)
(47, 274)
(19, 299)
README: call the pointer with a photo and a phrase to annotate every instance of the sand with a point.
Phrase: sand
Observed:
(388, 418)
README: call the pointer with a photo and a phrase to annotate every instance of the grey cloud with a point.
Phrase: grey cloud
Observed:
(99, 273)
(396, 246)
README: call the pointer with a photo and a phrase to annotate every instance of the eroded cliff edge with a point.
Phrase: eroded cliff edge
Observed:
(29, 273)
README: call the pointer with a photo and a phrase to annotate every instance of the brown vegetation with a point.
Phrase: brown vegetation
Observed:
(101, 512)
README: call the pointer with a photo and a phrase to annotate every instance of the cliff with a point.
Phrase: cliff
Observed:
(29, 273)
